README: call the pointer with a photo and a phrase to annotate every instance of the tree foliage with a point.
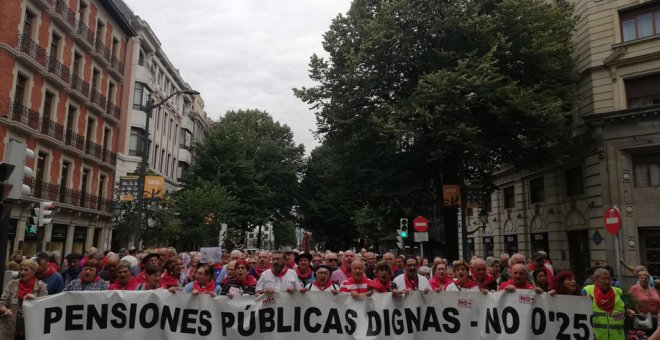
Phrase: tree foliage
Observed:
(415, 93)
(257, 162)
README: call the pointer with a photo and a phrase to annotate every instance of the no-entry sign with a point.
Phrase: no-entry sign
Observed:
(420, 224)
(612, 220)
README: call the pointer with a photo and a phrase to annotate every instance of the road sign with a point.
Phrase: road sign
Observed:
(612, 220)
(420, 224)
(421, 236)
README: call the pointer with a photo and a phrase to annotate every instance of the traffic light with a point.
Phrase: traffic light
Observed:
(46, 213)
(15, 154)
(33, 220)
(5, 172)
(404, 227)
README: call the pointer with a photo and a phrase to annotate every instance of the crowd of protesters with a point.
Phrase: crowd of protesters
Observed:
(357, 273)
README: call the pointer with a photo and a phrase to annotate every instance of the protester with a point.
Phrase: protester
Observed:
(462, 281)
(322, 283)
(89, 278)
(411, 280)
(26, 287)
(303, 270)
(279, 278)
(235, 255)
(357, 284)
(203, 283)
(540, 280)
(153, 274)
(608, 307)
(241, 283)
(565, 283)
(109, 273)
(538, 263)
(344, 272)
(47, 273)
(151, 259)
(479, 271)
(440, 278)
(170, 279)
(317, 260)
(263, 264)
(382, 282)
(73, 269)
(648, 301)
(520, 279)
(425, 272)
(396, 271)
(124, 280)
(332, 261)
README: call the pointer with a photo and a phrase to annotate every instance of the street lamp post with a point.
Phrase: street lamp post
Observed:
(147, 109)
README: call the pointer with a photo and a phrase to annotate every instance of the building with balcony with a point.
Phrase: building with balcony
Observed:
(62, 86)
(194, 127)
(152, 75)
(614, 160)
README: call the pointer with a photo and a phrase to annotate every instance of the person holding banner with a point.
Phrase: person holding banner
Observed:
(203, 283)
(609, 309)
(462, 283)
(322, 282)
(441, 279)
(172, 272)
(304, 272)
(89, 278)
(358, 283)
(124, 281)
(519, 280)
(153, 274)
(565, 283)
(241, 283)
(26, 287)
(278, 278)
(344, 272)
(381, 282)
(411, 280)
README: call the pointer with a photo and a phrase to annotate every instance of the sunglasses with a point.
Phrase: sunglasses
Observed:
(333, 260)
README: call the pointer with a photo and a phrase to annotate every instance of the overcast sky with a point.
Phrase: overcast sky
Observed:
(243, 54)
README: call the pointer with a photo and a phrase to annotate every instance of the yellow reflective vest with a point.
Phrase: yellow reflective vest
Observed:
(608, 326)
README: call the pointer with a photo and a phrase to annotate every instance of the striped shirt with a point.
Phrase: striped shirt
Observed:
(350, 285)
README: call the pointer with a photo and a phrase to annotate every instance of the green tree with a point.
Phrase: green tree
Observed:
(419, 93)
(202, 207)
(257, 161)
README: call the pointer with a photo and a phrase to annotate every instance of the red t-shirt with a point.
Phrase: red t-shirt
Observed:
(350, 285)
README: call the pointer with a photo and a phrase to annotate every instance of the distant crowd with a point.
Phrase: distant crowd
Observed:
(265, 272)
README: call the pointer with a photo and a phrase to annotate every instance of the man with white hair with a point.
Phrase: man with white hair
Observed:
(609, 309)
(235, 255)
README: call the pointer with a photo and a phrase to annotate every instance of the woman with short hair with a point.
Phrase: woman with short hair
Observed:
(26, 287)
(89, 278)
(203, 283)
(462, 282)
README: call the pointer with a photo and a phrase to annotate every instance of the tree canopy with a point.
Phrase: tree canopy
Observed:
(416, 93)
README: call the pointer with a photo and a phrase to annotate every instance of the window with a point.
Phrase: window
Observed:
(640, 23)
(167, 165)
(536, 190)
(76, 63)
(111, 93)
(136, 145)
(28, 23)
(160, 164)
(140, 95)
(115, 47)
(48, 104)
(574, 185)
(141, 58)
(100, 32)
(647, 171)
(21, 88)
(95, 79)
(169, 132)
(54, 45)
(82, 10)
(509, 195)
(643, 91)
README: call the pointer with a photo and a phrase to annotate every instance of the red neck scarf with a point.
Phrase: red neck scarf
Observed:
(378, 286)
(281, 274)
(346, 272)
(291, 264)
(130, 285)
(467, 285)
(208, 289)
(327, 285)
(259, 269)
(26, 288)
(51, 270)
(440, 283)
(167, 281)
(604, 301)
(249, 281)
(411, 284)
(304, 276)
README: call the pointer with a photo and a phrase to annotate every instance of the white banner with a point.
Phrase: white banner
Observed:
(160, 315)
